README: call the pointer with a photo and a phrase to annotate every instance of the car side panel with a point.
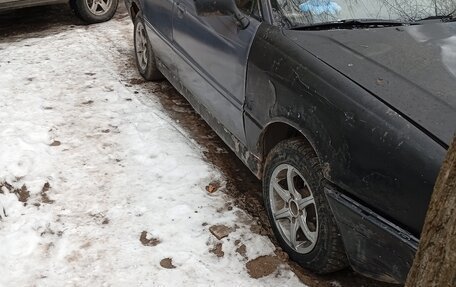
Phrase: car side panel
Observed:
(367, 149)
(158, 13)
(215, 50)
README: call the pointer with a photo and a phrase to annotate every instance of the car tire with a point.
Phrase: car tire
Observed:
(94, 11)
(300, 216)
(144, 54)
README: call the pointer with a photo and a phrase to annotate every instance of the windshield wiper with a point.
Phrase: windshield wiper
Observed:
(351, 23)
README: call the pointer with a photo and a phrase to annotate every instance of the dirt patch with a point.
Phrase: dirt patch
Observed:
(3, 213)
(86, 245)
(22, 193)
(137, 81)
(220, 231)
(55, 143)
(44, 197)
(167, 263)
(213, 186)
(218, 250)
(5, 185)
(73, 256)
(47, 231)
(262, 266)
(242, 250)
(258, 229)
(281, 254)
(146, 240)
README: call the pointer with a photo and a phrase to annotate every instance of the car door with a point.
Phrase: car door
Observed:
(158, 18)
(215, 50)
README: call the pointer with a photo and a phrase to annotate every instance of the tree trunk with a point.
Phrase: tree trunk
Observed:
(435, 261)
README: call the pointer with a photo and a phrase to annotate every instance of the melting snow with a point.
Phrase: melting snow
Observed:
(116, 166)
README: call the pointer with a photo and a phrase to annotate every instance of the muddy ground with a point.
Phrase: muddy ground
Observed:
(241, 184)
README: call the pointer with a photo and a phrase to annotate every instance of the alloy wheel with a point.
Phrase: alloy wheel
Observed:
(293, 207)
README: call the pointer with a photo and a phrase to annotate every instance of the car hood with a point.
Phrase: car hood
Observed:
(410, 68)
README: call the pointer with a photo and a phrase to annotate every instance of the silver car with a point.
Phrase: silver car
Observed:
(90, 11)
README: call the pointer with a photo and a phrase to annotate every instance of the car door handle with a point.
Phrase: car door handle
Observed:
(180, 10)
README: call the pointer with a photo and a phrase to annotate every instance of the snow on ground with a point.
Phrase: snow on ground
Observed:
(99, 167)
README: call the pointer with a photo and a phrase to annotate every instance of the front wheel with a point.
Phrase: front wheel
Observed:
(298, 210)
(94, 11)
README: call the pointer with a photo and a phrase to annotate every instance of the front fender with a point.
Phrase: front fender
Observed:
(368, 148)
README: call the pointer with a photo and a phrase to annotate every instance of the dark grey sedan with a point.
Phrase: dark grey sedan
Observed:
(90, 11)
(344, 108)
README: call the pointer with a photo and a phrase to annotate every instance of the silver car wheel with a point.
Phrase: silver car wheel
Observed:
(141, 46)
(293, 207)
(99, 7)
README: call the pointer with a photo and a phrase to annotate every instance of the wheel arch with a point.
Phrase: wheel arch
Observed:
(279, 130)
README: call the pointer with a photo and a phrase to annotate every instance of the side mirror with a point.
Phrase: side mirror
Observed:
(221, 7)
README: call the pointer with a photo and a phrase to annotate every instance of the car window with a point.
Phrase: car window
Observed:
(291, 13)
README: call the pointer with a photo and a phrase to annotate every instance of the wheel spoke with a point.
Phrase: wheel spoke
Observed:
(304, 202)
(290, 179)
(293, 233)
(284, 194)
(94, 6)
(282, 214)
(144, 55)
(311, 235)
(104, 6)
(290, 182)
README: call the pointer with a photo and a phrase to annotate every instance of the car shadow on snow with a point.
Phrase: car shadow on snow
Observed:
(32, 22)
(36, 19)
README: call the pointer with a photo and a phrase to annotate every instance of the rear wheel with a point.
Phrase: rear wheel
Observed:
(298, 210)
(94, 11)
(145, 58)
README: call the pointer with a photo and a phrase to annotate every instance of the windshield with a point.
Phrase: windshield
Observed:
(292, 13)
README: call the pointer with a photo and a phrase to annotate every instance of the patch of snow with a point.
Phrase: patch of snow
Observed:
(116, 167)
